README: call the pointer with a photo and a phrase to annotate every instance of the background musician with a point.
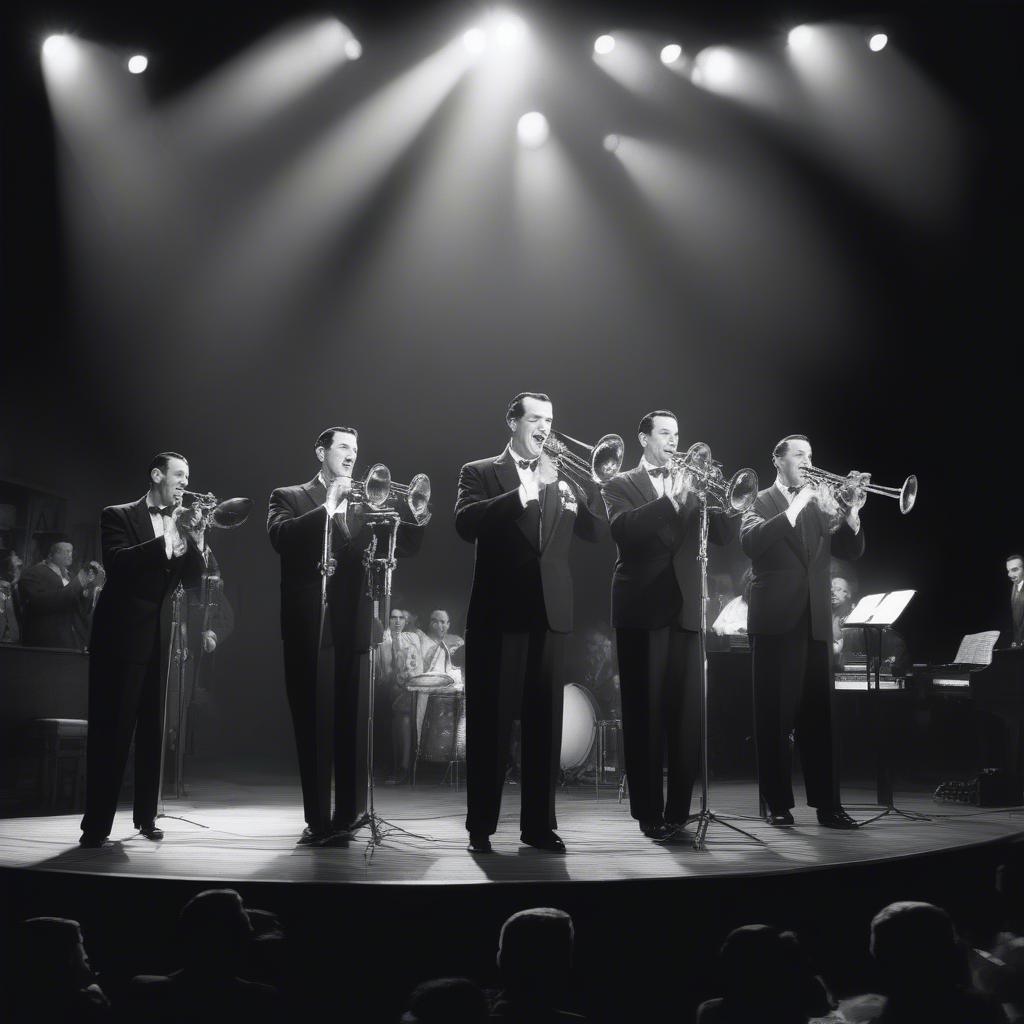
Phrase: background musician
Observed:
(522, 519)
(656, 615)
(1015, 572)
(787, 536)
(330, 728)
(150, 546)
(400, 659)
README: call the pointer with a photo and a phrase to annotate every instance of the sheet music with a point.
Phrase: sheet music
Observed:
(976, 648)
(879, 609)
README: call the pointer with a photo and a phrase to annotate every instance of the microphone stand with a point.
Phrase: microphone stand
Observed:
(379, 573)
(706, 817)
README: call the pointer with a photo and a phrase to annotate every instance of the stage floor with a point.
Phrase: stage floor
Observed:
(250, 832)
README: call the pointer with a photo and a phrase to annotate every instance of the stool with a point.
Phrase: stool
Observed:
(56, 751)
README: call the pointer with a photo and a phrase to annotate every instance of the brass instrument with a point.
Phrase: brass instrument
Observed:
(377, 490)
(221, 515)
(853, 490)
(593, 464)
(733, 496)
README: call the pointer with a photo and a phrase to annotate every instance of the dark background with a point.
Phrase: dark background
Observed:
(419, 335)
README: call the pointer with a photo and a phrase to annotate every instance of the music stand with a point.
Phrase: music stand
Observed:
(874, 614)
(705, 816)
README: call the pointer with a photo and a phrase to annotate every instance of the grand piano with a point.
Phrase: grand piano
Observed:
(997, 687)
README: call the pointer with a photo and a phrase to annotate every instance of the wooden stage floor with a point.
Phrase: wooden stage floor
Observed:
(250, 832)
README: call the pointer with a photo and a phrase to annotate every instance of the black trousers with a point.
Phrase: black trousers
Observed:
(124, 698)
(509, 676)
(330, 708)
(659, 681)
(793, 690)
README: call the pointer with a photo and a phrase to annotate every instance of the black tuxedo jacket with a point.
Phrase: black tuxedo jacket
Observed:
(521, 581)
(295, 523)
(133, 610)
(52, 614)
(792, 565)
(656, 582)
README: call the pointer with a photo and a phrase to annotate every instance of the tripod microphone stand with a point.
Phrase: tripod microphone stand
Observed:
(706, 817)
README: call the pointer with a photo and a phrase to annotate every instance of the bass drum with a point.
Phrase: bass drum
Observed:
(443, 733)
(579, 726)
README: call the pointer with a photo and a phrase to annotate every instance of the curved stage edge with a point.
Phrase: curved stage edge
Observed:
(649, 919)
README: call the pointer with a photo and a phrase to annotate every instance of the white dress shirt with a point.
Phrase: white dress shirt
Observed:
(529, 479)
(659, 483)
(61, 574)
(174, 543)
(342, 508)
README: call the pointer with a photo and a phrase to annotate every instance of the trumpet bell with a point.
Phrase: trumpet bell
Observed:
(606, 460)
(419, 494)
(377, 486)
(908, 494)
(230, 513)
(741, 491)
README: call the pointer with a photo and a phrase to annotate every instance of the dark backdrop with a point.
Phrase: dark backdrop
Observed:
(431, 306)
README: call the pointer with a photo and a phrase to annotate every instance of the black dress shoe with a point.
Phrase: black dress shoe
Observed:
(151, 832)
(543, 841)
(336, 838)
(312, 836)
(91, 840)
(659, 831)
(479, 843)
(361, 821)
(836, 818)
(780, 819)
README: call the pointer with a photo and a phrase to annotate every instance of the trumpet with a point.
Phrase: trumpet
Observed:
(733, 496)
(377, 490)
(221, 515)
(851, 491)
(593, 463)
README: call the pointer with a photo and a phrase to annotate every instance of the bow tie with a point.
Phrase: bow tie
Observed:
(793, 490)
(167, 510)
(527, 463)
(659, 471)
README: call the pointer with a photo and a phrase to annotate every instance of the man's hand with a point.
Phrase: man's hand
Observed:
(186, 518)
(209, 641)
(547, 471)
(97, 574)
(339, 490)
(679, 484)
(83, 578)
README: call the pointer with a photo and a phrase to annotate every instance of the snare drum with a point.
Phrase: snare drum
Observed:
(579, 726)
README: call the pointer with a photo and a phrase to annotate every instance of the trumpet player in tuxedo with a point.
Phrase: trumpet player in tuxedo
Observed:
(656, 594)
(521, 516)
(331, 734)
(150, 546)
(790, 534)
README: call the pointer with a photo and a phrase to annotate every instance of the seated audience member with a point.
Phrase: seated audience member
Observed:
(51, 977)
(923, 972)
(10, 573)
(215, 935)
(765, 979)
(534, 961)
(55, 606)
(732, 620)
(446, 1001)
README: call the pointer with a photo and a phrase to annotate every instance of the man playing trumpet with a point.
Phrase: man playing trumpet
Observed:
(790, 535)
(330, 722)
(522, 519)
(656, 614)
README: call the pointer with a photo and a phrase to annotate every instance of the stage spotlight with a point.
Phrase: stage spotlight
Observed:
(800, 36)
(671, 53)
(604, 44)
(58, 50)
(474, 40)
(533, 129)
(878, 42)
(611, 143)
(353, 48)
(138, 63)
(714, 67)
(509, 31)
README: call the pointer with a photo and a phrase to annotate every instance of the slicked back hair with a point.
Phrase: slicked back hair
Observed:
(1011, 558)
(516, 407)
(783, 446)
(326, 438)
(160, 462)
(647, 423)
